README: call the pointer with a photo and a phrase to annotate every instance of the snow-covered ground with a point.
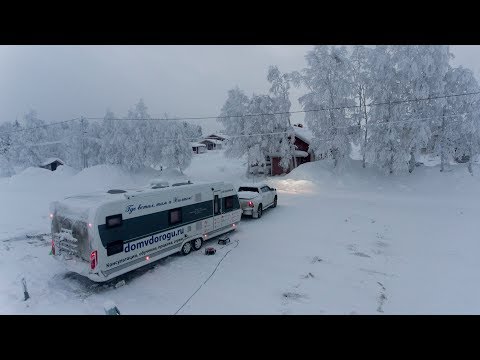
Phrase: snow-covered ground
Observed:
(354, 242)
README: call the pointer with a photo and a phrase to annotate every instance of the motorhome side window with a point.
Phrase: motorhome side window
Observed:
(113, 221)
(229, 203)
(175, 216)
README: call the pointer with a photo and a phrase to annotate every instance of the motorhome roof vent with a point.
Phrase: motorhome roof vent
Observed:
(116, 191)
(183, 183)
(158, 184)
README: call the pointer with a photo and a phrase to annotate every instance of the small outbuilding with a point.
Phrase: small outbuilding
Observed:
(212, 144)
(52, 164)
(198, 148)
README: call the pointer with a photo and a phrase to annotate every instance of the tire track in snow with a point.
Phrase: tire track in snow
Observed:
(381, 298)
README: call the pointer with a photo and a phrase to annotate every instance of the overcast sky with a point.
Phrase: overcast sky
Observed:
(63, 82)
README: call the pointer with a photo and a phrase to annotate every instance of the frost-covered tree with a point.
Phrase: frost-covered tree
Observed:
(75, 148)
(93, 142)
(233, 121)
(192, 131)
(261, 142)
(135, 142)
(132, 142)
(176, 151)
(270, 133)
(435, 61)
(279, 90)
(401, 121)
(361, 78)
(260, 126)
(450, 130)
(6, 137)
(460, 135)
(113, 133)
(26, 142)
(55, 145)
(254, 125)
(7, 156)
(422, 70)
(127, 142)
(328, 78)
(139, 136)
(385, 147)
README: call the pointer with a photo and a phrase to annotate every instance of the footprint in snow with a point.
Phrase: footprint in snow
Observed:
(380, 243)
(382, 298)
(352, 247)
(358, 253)
(381, 285)
(308, 276)
(289, 295)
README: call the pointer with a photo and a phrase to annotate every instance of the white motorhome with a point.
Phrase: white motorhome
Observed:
(105, 234)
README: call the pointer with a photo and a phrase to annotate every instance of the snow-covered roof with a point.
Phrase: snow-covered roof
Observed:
(300, 153)
(51, 160)
(82, 203)
(195, 144)
(303, 134)
(215, 135)
(214, 141)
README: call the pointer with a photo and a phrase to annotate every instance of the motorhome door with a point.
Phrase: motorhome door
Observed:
(217, 210)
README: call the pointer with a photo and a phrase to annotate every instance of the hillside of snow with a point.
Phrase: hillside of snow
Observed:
(349, 241)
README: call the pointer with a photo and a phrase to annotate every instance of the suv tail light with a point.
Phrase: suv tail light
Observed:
(53, 248)
(93, 259)
(250, 204)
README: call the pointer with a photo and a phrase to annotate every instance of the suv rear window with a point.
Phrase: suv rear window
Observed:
(244, 188)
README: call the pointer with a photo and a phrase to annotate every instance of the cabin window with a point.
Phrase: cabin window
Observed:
(113, 221)
(175, 216)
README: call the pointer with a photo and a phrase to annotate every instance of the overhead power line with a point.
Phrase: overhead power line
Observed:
(395, 102)
(372, 124)
(40, 126)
